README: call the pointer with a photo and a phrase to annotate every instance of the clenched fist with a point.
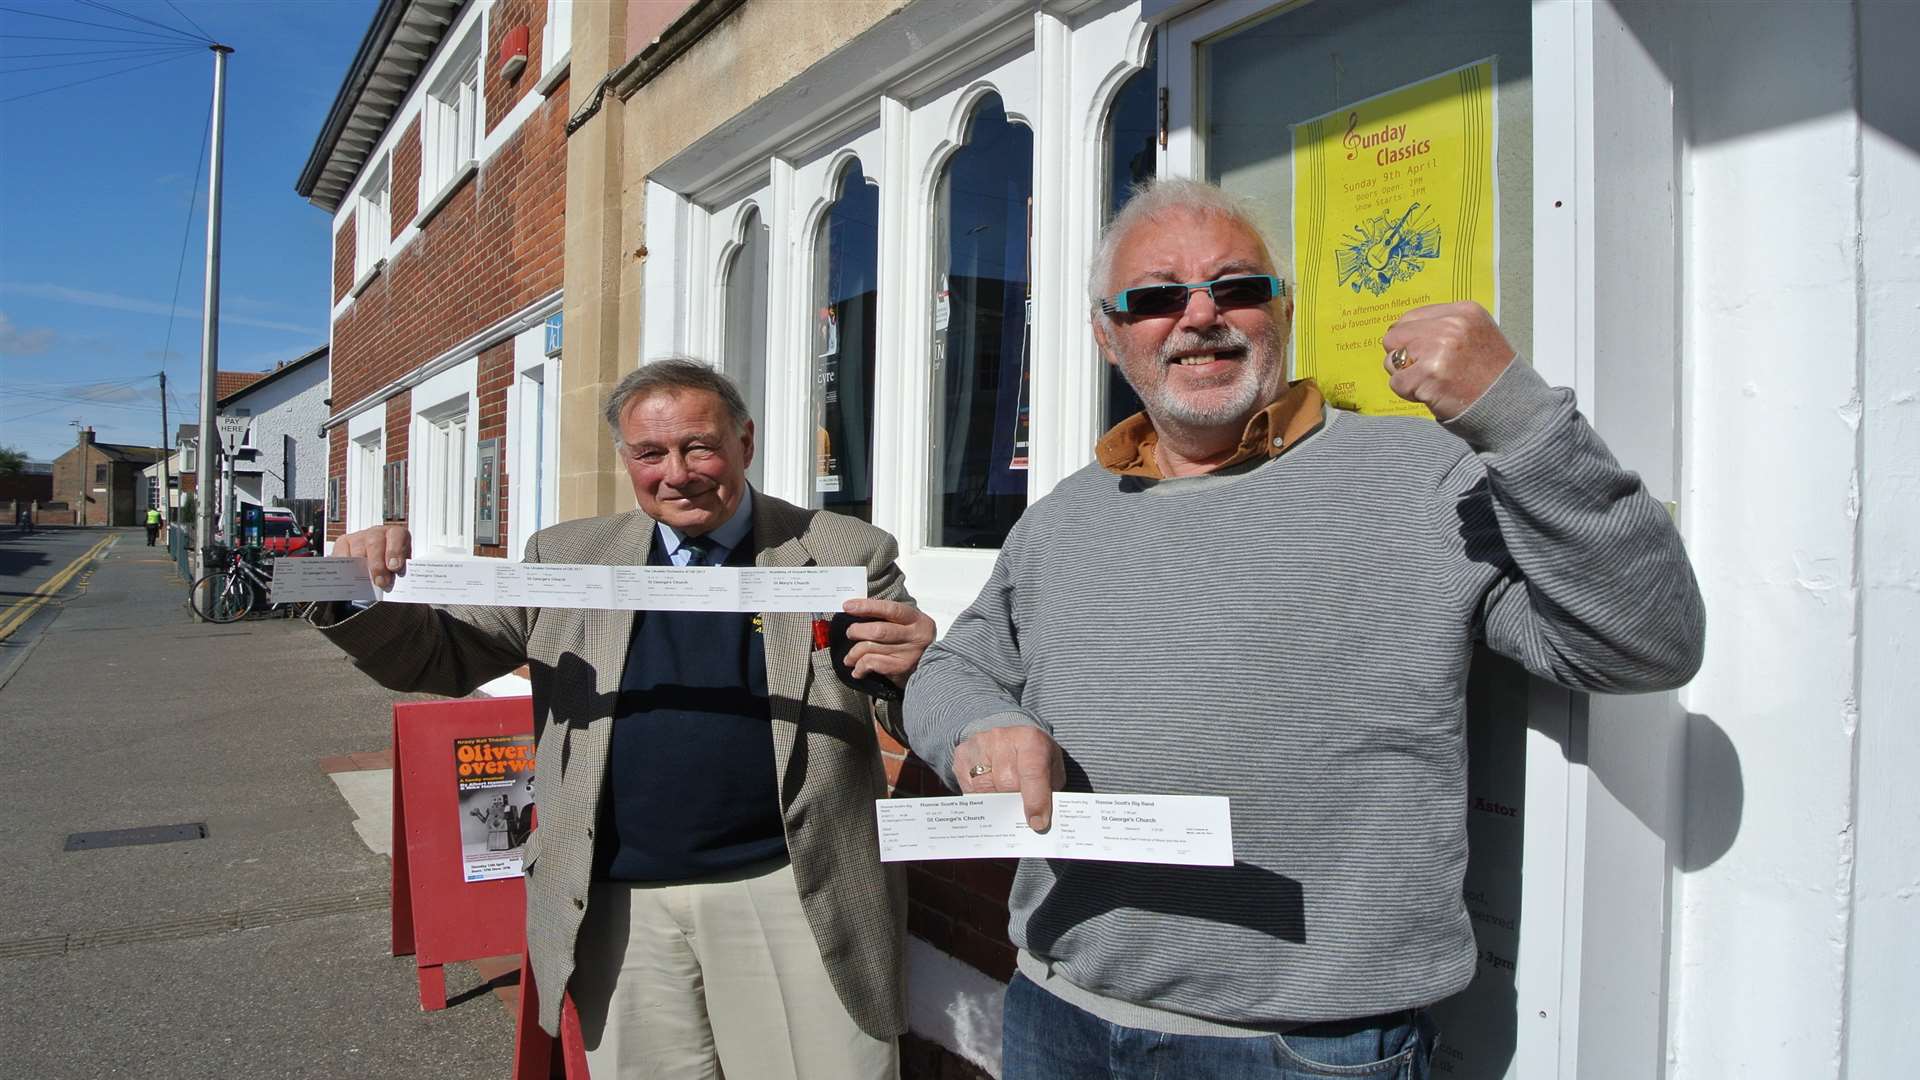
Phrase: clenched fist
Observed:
(1453, 353)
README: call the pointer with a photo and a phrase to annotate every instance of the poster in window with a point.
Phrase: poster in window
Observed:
(486, 501)
(1394, 207)
(494, 778)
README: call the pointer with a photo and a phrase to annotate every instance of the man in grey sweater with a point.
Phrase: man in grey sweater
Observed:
(1251, 594)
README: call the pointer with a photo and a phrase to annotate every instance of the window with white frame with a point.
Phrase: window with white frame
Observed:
(450, 121)
(846, 283)
(556, 37)
(533, 431)
(372, 227)
(743, 339)
(982, 336)
(447, 475)
(364, 480)
(1130, 138)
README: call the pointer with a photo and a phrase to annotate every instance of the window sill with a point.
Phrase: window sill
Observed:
(553, 76)
(366, 279)
(432, 206)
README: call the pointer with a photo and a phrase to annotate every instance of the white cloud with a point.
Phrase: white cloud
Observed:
(62, 294)
(17, 342)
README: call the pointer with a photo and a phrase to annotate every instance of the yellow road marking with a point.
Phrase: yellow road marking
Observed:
(22, 609)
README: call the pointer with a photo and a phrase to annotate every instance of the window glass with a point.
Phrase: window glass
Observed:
(372, 232)
(845, 265)
(980, 333)
(1325, 62)
(451, 124)
(1133, 127)
(743, 342)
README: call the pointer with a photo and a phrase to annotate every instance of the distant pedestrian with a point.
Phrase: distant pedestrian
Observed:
(23, 517)
(154, 521)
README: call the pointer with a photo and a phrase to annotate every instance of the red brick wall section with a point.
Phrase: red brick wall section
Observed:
(957, 906)
(502, 95)
(491, 250)
(492, 383)
(399, 427)
(337, 467)
(405, 199)
(343, 259)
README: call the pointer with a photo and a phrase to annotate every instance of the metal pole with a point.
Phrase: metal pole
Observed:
(166, 452)
(210, 319)
(86, 478)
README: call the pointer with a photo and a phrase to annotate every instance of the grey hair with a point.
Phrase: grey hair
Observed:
(1156, 198)
(675, 375)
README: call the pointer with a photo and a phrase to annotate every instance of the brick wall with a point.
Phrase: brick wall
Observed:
(399, 428)
(491, 385)
(336, 467)
(343, 259)
(502, 95)
(404, 202)
(493, 248)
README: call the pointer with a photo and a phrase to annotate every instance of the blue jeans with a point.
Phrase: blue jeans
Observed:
(1046, 1038)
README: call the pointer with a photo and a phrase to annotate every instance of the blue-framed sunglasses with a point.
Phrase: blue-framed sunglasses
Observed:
(1240, 290)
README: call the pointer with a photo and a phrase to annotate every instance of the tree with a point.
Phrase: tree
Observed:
(12, 461)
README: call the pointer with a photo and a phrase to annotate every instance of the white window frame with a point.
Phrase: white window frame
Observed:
(373, 222)
(366, 467)
(442, 451)
(533, 441)
(452, 122)
(556, 43)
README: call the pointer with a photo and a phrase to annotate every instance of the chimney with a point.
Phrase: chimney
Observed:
(86, 434)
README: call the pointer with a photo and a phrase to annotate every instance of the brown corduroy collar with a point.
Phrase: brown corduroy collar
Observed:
(1128, 447)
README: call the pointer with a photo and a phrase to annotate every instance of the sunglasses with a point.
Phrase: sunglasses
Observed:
(1241, 290)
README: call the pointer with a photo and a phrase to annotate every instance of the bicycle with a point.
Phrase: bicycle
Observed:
(230, 592)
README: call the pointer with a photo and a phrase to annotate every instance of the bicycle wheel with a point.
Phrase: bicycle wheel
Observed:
(222, 597)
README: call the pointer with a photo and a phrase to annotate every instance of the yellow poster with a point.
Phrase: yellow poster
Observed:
(1393, 207)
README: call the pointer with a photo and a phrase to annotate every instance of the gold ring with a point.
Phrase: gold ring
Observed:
(980, 769)
(1399, 360)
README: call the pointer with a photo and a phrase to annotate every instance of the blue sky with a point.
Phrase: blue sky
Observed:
(96, 183)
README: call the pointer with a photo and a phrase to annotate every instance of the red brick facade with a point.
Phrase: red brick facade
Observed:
(399, 427)
(343, 251)
(502, 95)
(491, 249)
(494, 381)
(405, 200)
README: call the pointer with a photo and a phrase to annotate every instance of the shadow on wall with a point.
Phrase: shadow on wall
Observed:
(1714, 794)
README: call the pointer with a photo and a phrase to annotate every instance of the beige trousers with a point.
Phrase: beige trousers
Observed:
(714, 978)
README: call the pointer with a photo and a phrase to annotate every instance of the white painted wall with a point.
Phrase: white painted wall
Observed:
(1883, 975)
(1796, 951)
(294, 404)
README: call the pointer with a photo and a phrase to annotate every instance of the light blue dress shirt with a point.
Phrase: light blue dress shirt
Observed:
(724, 539)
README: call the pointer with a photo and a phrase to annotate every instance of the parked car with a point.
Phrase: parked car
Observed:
(283, 536)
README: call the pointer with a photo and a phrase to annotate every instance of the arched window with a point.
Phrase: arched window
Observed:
(981, 342)
(845, 271)
(1133, 124)
(743, 340)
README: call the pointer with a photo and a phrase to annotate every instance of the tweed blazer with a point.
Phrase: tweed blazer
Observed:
(825, 751)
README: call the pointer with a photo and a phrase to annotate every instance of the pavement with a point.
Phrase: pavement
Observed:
(260, 950)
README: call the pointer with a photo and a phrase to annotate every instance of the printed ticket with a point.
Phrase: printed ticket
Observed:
(300, 581)
(500, 583)
(1189, 830)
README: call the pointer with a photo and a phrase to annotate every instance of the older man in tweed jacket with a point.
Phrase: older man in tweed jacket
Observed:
(705, 877)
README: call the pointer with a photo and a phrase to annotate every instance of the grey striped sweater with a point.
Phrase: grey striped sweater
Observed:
(1296, 637)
